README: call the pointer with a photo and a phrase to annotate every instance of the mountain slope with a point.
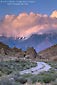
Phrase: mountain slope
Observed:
(50, 53)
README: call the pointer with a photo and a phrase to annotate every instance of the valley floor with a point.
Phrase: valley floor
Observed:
(27, 72)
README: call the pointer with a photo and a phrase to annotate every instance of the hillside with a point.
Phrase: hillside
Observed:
(30, 53)
(50, 53)
(2, 45)
(5, 50)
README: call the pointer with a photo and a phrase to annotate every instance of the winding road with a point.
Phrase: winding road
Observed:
(41, 67)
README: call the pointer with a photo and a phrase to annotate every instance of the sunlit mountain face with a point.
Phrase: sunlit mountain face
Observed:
(38, 41)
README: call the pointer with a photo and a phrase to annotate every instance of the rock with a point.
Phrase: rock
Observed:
(31, 53)
(2, 51)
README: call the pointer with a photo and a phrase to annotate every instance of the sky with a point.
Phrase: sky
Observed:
(37, 6)
(26, 17)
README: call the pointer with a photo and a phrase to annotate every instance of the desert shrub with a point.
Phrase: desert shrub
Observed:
(5, 82)
(33, 79)
(7, 67)
(16, 75)
(47, 77)
(27, 75)
(1, 73)
(6, 71)
(21, 80)
(54, 83)
(53, 64)
(9, 81)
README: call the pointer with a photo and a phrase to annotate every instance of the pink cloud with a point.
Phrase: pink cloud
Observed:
(27, 24)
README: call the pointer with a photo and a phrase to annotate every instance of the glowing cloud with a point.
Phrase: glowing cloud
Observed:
(54, 14)
(25, 24)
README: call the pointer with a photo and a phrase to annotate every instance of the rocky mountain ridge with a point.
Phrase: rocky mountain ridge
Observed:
(38, 41)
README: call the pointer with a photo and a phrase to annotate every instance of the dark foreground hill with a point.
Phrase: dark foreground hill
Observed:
(50, 53)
